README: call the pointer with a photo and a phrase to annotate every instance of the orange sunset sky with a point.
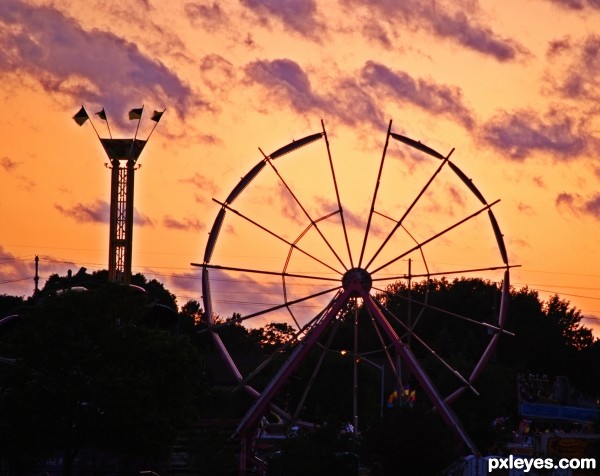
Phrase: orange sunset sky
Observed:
(511, 85)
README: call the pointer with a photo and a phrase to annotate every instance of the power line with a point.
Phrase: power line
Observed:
(16, 258)
(14, 280)
(567, 294)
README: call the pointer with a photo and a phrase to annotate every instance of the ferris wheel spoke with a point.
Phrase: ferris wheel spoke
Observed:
(281, 349)
(409, 209)
(305, 211)
(434, 237)
(384, 347)
(428, 348)
(368, 227)
(314, 322)
(445, 273)
(450, 313)
(260, 271)
(419, 372)
(337, 194)
(313, 335)
(279, 237)
(294, 244)
(324, 350)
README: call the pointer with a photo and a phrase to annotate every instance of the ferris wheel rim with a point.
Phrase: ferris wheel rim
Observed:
(226, 207)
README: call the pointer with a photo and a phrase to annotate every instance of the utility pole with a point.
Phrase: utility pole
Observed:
(36, 278)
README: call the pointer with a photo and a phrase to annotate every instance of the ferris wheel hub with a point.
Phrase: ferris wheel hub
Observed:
(357, 275)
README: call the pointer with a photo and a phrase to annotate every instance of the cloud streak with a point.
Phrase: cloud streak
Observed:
(577, 204)
(14, 269)
(296, 15)
(427, 95)
(357, 101)
(97, 212)
(579, 79)
(201, 182)
(523, 133)
(209, 17)
(461, 27)
(185, 224)
(577, 4)
(284, 80)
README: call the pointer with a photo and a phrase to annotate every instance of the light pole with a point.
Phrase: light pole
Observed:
(381, 369)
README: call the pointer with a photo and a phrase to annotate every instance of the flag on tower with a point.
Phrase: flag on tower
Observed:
(102, 114)
(81, 116)
(135, 113)
(157, 115)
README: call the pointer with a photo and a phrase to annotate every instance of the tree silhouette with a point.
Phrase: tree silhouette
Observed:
(88, 374)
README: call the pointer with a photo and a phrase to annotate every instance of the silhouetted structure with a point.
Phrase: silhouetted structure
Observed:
(120, 241)
(123, 155)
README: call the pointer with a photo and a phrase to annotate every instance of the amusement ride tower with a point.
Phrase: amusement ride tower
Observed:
(123, 155)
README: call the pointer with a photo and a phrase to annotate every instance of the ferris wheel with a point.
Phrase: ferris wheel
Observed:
(307, 242)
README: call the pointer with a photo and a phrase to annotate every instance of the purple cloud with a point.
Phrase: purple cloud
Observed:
(582, 74)
(376, 32)
(187, 281)
(467, 32)
(296, 15)
(18, 271)
(287, 79)
(210, 17)
(139, 219)
(577, 4)
(218, 75)
(556, 47)
(565, 199)
(353, 105)
(14, 269)
(523, 133)
(592, 206)
(578, 204)
(200, 181)
(356, 221)
(218, 64)
(456, 195)
(93, 66)
(354, 102)
(97, 212)
(435, 17)
(185, 224)
(288, 82)
(204, 187)
(432, 97)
